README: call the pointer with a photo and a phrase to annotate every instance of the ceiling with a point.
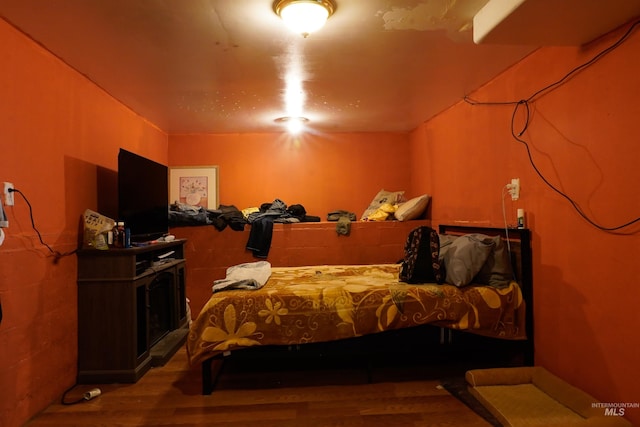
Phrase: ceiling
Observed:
(225, 66)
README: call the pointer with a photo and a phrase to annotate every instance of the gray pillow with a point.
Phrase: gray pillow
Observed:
(445, 244)
(497, 271)
(465, 257)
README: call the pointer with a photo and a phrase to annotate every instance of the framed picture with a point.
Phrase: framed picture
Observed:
(194, 186)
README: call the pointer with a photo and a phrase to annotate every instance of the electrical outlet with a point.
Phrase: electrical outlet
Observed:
(8, 195)
(514, 188)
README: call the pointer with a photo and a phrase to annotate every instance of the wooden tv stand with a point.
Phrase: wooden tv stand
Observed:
(132, 312)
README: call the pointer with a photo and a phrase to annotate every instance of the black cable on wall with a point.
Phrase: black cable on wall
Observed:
(524, 104)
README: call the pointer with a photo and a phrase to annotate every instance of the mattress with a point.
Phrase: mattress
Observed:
(310, 304)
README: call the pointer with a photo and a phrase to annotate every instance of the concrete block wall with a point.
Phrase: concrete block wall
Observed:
(210, 252)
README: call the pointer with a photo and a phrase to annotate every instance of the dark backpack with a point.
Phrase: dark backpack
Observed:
(421, 253)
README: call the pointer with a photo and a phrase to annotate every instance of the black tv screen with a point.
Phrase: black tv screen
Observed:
(143, 194)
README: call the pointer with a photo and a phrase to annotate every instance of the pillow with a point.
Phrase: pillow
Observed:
(497, 271)
(412, 209)
(391, 197)
(445, 244)
(465, 257)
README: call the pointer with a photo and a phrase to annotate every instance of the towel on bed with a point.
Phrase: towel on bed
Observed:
(249, 275)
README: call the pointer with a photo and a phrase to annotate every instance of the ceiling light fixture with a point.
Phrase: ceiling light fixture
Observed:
(304, 16)
(294, 125)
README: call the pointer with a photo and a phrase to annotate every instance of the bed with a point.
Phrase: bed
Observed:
(322, 304)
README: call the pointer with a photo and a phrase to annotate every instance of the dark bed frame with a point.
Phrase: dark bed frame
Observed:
(522, 262)
(521, 352)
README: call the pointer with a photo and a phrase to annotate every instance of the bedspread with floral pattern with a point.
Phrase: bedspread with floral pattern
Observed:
(325, 303)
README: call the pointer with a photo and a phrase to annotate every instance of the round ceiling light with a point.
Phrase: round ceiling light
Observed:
(294, 125)
(304, 16)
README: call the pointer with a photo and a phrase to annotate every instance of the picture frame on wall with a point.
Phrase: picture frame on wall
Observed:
(194, 186)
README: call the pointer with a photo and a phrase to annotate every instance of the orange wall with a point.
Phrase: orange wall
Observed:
(57, 130)
(321, 172)
(584, 139)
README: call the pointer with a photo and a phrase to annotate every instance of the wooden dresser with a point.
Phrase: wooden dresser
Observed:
(132, 311)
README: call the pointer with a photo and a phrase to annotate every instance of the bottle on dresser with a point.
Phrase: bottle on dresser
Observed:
(118, 235)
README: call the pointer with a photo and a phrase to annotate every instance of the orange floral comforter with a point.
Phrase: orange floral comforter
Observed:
(325, 303)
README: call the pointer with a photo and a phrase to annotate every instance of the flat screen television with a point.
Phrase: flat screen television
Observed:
(143, 196)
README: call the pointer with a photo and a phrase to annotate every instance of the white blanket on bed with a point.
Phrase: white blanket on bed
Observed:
(249, 275)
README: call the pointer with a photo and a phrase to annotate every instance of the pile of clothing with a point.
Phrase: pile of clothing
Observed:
(262, 224)
(261, 220)
(181, 214)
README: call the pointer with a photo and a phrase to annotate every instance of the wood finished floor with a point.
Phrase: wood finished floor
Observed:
(331, 396)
